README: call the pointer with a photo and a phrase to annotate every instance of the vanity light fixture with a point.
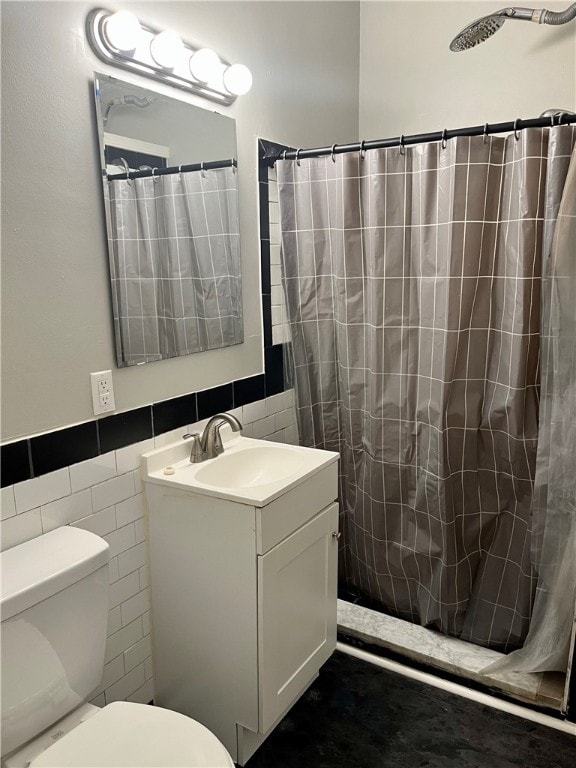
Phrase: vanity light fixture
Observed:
(205, 65)
(122, 30)
(121, 39)
(238, 79)
(166, 49)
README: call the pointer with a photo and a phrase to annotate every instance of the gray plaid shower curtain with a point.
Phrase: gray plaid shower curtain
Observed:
(413, 286)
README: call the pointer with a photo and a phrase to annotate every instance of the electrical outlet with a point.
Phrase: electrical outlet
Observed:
(102, 392)
(105, 401)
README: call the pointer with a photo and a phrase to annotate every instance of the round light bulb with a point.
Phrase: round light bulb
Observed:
(238, 79)
(204, 65)
(165, 49)
(122, 30)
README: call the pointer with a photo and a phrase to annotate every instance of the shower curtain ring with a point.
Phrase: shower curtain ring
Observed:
(362, 150)
(202, 170)
(180, 171)
(485, 134)
(126, 170)
(332, 153)
(298, 156)
(516, 134)
(401, 146)
(283, 156)
(155, 178)
(444, 138)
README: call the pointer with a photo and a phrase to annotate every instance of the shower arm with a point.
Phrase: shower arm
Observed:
(126, 100)
(550, 17)
(522, 14)
(539, 15)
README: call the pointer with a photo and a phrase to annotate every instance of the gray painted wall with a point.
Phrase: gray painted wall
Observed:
(410, 81)
(56, 324)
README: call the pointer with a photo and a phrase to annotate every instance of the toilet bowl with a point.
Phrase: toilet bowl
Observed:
(54, 600)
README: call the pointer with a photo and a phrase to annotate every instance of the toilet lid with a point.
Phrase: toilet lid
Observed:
(126, 735)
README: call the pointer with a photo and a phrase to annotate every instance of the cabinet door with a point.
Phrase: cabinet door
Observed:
(296, 613)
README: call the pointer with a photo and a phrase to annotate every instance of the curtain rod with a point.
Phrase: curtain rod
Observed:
(210, 165)
(563, 118)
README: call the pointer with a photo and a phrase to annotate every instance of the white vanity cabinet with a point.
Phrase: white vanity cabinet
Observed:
(243, 602)
(296, 618)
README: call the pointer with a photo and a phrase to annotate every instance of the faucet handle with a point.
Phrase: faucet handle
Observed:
(197, 453)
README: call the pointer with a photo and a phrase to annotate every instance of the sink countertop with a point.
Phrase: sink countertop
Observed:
(306, 462)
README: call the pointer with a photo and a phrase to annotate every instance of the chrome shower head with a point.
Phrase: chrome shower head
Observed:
(481, 29)
(477, 32)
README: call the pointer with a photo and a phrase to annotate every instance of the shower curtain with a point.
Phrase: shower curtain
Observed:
(413, 282)
(174, 246)
(547, 645)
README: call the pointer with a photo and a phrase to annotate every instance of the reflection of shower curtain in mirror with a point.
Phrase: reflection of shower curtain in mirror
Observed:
(175, 264)
(413, 290)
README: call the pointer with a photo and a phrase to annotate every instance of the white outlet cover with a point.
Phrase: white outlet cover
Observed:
(102, 392)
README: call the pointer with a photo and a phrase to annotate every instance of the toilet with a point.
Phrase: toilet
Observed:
(54, 600)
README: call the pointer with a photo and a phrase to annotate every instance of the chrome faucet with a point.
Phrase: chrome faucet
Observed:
(209, 444)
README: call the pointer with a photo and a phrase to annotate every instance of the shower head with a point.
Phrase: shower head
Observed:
(477, 32)
(481, 29)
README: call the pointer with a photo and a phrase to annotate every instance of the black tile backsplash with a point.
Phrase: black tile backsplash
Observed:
(215, 400)
(274, 362)
(133, 159)
(171, 414)
(268, 152)
(56, 450)
(262, 166)
(267, 319)
(265, 266)
(15, 463)
(264, 211)
(125, 428)
(249, 390)
(29, 458)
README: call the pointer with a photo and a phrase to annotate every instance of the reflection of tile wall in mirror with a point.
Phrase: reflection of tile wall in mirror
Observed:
(173, 226)
(118, 158)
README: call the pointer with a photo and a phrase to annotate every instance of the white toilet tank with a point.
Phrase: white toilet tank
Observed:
(54, 601)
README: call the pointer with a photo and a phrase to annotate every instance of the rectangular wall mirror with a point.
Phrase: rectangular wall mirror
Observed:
(171, 200)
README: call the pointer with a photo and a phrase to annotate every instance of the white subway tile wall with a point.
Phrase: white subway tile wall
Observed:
(34, 493)
(280, 327)
(105, 496)
(89, 473)
(7, 502)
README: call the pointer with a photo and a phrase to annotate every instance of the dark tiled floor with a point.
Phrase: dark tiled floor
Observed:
(357, 715)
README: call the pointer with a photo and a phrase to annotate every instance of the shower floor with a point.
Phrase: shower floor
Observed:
(453, 656)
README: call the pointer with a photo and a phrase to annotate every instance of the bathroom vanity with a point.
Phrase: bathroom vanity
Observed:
(243, 555)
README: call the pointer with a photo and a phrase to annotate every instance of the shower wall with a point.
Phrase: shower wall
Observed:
(410, 82)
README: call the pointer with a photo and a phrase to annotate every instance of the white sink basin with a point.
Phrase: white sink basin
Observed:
(250, 471)
(250, 467)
